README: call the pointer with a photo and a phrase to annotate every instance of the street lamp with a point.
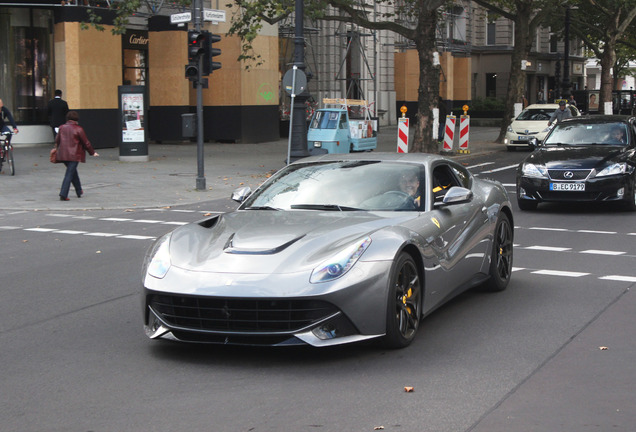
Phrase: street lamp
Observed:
(299, 148)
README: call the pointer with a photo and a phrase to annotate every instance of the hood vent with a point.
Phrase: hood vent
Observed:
(231, 249)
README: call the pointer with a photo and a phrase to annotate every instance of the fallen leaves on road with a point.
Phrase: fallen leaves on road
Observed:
(603, 348)
(409, 389)
(378, 428)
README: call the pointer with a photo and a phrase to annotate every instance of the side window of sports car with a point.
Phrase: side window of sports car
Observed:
(443, 179)
(463, 176)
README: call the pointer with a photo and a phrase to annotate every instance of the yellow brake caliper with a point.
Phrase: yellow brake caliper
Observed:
(407, 296)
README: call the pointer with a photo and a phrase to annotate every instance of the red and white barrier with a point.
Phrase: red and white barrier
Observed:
(403, 135)
(449, 133)
(464, 127)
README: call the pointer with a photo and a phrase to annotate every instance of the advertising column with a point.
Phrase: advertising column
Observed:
(133, 146)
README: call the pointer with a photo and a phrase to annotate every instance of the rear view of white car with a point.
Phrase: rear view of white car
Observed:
(532, 123)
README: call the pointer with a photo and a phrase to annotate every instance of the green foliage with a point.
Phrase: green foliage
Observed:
(485, 104)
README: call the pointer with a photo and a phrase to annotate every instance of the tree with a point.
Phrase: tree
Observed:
(601, 24)
(415, 20)
(527, 16)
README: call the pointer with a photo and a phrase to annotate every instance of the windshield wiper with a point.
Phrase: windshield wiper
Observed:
(262, 208)
(329, 207)
(559, 144)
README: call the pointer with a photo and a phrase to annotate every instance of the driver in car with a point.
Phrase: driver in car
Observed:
(617, 136)
(410, 184)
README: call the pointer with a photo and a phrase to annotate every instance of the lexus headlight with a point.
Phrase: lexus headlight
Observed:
(532, 170)
(340, 263)
(158, 258)
(614, 169)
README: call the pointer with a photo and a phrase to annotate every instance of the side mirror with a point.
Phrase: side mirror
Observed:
(240, 194)
(533, 143)
(456, 195)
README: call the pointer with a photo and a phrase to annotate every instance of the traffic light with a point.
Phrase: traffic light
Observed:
(209, 53)
(196, 48)
(196, 44)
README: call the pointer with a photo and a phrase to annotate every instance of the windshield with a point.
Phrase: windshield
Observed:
(536, 114)
(325, 120)
(612, 133)
(342, 186)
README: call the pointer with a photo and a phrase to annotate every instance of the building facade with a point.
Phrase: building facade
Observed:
(44, 46)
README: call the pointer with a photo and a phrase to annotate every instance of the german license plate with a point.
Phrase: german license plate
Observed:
(567, 186)
(523, 138)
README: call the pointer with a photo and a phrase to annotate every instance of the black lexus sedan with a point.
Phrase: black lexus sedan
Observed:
(583, 159)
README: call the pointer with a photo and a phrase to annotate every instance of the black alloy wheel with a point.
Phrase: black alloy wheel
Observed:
(501, 260)
(404, 305)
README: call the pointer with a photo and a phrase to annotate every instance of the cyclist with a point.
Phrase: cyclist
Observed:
(6, 114)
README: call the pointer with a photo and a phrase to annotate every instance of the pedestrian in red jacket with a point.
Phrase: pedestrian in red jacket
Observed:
(72, 144)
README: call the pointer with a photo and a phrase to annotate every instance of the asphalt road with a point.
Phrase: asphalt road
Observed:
(74, 356)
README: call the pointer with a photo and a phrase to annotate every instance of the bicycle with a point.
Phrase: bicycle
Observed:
(6, 152)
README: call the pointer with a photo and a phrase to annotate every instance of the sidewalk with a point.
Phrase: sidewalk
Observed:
(168, 179)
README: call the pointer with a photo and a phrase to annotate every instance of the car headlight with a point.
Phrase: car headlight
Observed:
(532, 170)
(509, 129)
(158, 258)
(547, 129)
(614, 169)
(340, 263)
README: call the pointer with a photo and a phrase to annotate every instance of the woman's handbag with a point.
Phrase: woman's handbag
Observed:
(53, 155)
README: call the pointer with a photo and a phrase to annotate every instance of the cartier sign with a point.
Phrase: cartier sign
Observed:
(135, 39)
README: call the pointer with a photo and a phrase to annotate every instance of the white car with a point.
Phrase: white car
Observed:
(532, 123)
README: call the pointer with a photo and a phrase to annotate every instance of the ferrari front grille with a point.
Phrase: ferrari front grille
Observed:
(238, 314)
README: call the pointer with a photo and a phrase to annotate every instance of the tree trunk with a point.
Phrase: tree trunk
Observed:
(428, 90)
(517, 81)
(607, 62)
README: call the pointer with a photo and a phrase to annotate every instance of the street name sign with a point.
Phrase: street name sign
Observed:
(181, 17)
(213, 15)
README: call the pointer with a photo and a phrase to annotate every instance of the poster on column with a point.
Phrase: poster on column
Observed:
(133, 145)
(133, 117)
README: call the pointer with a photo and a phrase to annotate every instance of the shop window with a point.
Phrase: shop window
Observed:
(25, 45)
(134, 67)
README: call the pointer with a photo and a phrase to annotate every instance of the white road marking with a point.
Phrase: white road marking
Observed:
(549, 229)
(559, 273)
(102, 234)
(602, 252)
(479, 165)
(116, 219)
(70, 232)
(500, 169)
(137, 237)
(148, 221)
(619, 278)
(548, 248)
(596, 232)
(40, 229)
(6, 227)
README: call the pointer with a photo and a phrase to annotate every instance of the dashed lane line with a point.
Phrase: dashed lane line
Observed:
(498, 169)
(602, 252)
(87, 233)
(561, 273)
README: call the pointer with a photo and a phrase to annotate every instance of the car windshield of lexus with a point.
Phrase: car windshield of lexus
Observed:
(585, 134)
